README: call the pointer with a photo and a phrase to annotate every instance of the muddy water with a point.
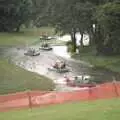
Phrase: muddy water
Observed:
(40, 64)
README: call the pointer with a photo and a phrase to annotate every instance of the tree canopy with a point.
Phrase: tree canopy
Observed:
(14, 14)
(108, 18)
(68, 17)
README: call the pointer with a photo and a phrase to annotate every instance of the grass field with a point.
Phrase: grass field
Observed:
(97, 110)
(15, 79)
(25, 36)
(28, 37)
(10, 76)
(109, 62)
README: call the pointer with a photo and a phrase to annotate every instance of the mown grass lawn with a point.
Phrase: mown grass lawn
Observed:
(15, 79)
(13, 39)
(24, 37)
(28, 37)
(109, 62)
(96, 110)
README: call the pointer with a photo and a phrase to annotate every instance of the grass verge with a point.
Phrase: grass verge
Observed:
(15, 79)
(24, 37)
(97, 110)
(108, 62)
(28, 36)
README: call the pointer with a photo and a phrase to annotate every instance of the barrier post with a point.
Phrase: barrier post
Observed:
(115, 87)
(90, 94)
(29, 100)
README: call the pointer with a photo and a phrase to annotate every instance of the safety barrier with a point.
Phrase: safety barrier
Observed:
(32, 99)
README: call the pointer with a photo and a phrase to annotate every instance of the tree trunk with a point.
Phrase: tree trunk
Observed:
(81, 40)
(73, 41)
(92, 38)
(92, 33)
(18, 29)
(99, 40)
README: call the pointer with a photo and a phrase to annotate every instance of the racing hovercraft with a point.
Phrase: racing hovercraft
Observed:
(32, 52)
(79, 81)
(63, 70)
(59, 66)
(45, 47)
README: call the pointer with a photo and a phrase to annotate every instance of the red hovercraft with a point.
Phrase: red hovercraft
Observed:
(59, 66)
(79, 81)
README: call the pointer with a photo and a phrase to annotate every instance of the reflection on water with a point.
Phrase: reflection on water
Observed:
(64, 38)
(85, 38)
(61, 51)
(78, 38)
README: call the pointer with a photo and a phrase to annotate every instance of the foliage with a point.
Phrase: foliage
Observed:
(71, 17)
(88, 54)
(68, 17)
(14, 79)
(14, 14)
(77, 16)
(108, 19)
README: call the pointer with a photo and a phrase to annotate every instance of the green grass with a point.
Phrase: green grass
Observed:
(13, 39)
(109, 62)
(24, 37)
(15, 79)
(28, 37)
(97, 110)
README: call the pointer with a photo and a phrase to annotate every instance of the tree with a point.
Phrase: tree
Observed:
(71, 17)
(78, 16)
(15, 13)
(108, 19)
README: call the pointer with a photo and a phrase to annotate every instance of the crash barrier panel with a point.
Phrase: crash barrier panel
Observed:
(105, 91)
(59, 97)
(18, 100)
(31, 99)
(13, 101)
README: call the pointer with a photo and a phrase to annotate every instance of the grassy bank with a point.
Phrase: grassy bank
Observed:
(15, 79)
(24, 37)
(98, 110)
(88, 54)
(28, 37)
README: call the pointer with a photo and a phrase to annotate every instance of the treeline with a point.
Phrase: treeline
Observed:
(14, 13)
(80, 15)
(68, 17)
